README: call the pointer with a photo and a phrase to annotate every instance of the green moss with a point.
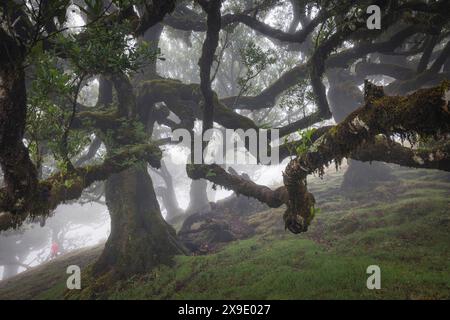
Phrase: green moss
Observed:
(407, 237)
(419, 113)
(401, 226)
(161, 88)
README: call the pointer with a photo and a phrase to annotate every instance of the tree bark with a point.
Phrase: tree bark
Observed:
(198, 197)
(140, 239)
(20, 175)
(10, 271)
(168, 194)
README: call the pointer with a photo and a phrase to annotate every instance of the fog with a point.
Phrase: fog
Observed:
(259, 77)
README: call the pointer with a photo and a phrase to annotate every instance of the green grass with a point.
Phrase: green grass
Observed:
(287, 269)
(407, 236)
(403, 227)
(54, 293)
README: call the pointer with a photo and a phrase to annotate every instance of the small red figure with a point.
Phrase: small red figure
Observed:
(54, 250)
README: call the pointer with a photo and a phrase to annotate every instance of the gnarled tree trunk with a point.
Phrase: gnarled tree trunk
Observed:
(19, 172)
(168, 195)
(140, 239)
(198, 197)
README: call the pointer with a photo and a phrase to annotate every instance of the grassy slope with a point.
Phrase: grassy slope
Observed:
(47, 280)
(403, 227)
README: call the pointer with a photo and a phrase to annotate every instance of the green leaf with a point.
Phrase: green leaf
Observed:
(210, 173)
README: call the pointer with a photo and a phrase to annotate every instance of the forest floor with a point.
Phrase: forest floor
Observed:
(402, 226)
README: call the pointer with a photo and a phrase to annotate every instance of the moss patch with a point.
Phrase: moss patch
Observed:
(403, 227)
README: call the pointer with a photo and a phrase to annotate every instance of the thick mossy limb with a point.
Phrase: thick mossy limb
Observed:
(386, 150)
(217, 175)
(300, 205)
(66, 186)
(423, 113)
(172, 92)
(101, 120)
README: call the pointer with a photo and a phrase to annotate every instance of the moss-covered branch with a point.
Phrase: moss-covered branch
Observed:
(217, 175)
(179, 97)
(66, 186)
(424, 113)
(360, 136)
(386, 150)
